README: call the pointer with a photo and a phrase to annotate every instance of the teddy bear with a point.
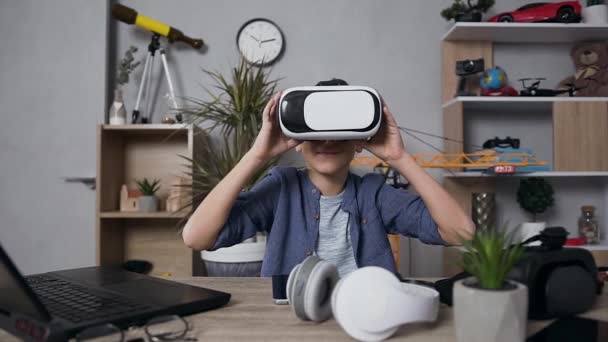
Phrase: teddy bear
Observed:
(591, 77)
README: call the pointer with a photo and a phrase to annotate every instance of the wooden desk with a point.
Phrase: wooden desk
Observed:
(251, 315)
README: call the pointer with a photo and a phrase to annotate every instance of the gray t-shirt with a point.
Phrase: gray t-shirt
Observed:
(334, 243)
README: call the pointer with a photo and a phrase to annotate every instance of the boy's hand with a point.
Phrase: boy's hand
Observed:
(270, 141)
(387, 143)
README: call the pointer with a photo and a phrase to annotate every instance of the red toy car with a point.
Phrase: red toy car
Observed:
(563, 12)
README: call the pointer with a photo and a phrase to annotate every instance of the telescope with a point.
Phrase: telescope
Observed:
(130, 16)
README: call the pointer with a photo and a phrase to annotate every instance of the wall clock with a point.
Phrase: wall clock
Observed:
(260, 41)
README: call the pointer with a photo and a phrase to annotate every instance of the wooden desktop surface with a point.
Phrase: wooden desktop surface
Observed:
(251, 315)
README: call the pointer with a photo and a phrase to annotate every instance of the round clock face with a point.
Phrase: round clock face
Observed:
(260, 41)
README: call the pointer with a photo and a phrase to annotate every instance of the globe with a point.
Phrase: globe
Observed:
(493, 79)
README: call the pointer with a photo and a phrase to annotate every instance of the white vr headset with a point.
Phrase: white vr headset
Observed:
(370, 304)
(330, 112)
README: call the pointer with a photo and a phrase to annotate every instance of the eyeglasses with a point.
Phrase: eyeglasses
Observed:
(158, 329)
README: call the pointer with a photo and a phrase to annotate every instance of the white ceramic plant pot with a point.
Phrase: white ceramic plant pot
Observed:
(490, 315)
(530, 229)
(597, 14)
(148, 204)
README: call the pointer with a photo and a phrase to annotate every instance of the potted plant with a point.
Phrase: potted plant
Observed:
(118, 113)
(534, 195)
(487, 306)
(148, 201)
(459, 11)
(596, 12)
(235, 110)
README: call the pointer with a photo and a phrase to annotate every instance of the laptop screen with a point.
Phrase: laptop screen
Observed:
(15, 295)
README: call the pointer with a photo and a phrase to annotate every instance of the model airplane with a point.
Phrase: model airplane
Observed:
(535, 90)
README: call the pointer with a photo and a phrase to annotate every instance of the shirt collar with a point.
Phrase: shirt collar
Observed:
(348, 202)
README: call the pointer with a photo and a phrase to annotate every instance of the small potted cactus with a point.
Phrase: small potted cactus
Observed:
(148, 202)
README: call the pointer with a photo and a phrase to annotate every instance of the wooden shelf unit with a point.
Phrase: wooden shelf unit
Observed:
(125, 153)
(579, 126)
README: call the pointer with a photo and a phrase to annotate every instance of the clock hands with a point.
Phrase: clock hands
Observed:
(268, 40)
(257, 40)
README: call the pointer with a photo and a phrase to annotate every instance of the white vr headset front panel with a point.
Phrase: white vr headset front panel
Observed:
(330, 112)
(327, 111)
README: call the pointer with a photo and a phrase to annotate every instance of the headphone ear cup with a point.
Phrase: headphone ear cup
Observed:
(309, 288)
(357, 308)
(290, 283)
(321, 282)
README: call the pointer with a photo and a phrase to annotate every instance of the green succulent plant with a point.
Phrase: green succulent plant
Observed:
(148, 188)
(490, 256)
(535, 195)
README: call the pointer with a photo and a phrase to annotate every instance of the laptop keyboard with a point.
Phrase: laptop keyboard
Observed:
(78, 304)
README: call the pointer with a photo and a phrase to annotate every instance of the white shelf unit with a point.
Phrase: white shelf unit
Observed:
(526, 32)
(570, 133)
(514, 102)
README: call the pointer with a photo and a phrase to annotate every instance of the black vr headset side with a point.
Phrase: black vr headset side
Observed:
(330, 112)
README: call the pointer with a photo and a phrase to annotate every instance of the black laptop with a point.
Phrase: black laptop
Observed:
(57, 305)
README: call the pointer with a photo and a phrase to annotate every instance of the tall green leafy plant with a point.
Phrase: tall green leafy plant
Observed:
(233, 107)
(490, 256)
(535, 195)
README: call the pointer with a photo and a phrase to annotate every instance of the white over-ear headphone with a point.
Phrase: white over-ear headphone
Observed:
(309, 289)
(369, 304)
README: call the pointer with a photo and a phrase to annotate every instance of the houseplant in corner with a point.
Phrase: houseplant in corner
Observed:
(596, 12)
(148, 201)
(234, 110)
(535, 196)
(487, 306)
(461, 11)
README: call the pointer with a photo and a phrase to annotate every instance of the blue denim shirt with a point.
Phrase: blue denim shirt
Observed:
(286, 205)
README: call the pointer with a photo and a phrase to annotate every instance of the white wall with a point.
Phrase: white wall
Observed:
(52, 93)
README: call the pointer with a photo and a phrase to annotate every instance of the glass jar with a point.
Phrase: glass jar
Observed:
(587, 225)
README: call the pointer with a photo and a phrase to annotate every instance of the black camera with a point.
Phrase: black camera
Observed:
(464, 69)
(469, 67)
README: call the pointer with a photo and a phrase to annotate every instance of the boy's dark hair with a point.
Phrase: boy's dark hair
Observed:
(332, 82)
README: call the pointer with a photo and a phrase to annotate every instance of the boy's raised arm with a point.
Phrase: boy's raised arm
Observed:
(206, 222)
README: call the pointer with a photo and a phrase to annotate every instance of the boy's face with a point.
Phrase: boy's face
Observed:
(329, 157)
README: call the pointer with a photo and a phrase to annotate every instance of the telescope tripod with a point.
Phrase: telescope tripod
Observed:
(146, 82)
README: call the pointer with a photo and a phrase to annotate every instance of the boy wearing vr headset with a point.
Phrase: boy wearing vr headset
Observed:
(325, 210)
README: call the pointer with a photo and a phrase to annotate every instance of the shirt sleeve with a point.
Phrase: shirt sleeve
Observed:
(253, 211)
(405, 213)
